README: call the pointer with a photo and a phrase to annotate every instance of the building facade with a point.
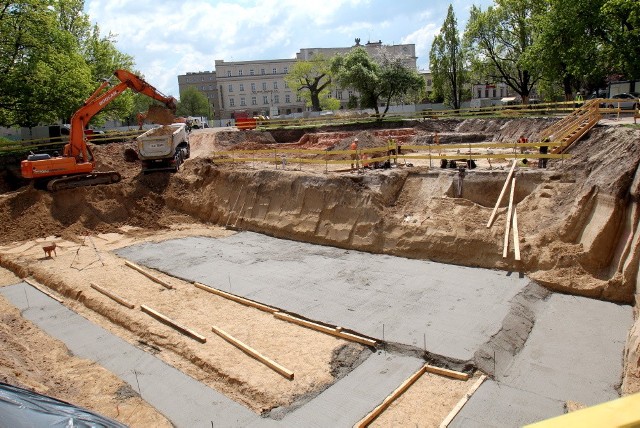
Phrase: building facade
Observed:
(205, 82)
(258, 88)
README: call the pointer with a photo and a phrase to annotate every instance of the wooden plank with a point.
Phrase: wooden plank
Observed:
(505, 250)
(42, 290)
(390, 399)
(516, 237)
(446, 372)
(235, 298)
(112, 296)
(504, 189)
(325, 329)
(147, 274)
(253, 353)
(171, 323)
(452, 414)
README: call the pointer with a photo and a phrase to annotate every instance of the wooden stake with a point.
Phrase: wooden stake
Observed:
(504, 189)
(446, 372)
(390, 399)
(325, 329)
(235, 298)
(452, 414)
(253, 353)
(171, 323)
(516, 239)
(42, 290)
(112, 296)
(147, 274)
(508, 225)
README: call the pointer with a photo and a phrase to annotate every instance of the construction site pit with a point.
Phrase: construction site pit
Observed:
(250, 293)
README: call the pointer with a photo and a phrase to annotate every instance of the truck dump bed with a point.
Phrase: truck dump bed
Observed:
(163, 148)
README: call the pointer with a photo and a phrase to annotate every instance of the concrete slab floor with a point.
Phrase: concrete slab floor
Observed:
(450, 309)
(189, 403)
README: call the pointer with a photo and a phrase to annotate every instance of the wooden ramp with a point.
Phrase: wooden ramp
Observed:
(570, 129)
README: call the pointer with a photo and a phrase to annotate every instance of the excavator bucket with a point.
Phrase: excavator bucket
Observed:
(160, 115)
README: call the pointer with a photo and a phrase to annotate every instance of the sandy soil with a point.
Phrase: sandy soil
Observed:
(567, 217)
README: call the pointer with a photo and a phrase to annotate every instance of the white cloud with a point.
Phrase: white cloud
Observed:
(168, 38)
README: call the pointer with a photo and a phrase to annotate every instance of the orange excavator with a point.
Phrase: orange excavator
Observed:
(75, 168)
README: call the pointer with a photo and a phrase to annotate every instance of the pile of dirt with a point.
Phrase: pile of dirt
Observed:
(161, 131)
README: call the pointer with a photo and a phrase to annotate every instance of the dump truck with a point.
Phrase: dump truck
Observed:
(164, 148)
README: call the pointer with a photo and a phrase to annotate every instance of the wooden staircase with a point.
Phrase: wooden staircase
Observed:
(571, 128)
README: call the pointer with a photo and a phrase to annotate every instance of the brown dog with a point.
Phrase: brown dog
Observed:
(50, 248)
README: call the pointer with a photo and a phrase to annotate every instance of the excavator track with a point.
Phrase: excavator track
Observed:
(92, 179)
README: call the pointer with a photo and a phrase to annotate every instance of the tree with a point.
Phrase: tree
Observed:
(622, 39)
(376, 81)
(567, 46)
(193, 103)
(447, 63)
(49, 61)
(311, 80)
(500, 38)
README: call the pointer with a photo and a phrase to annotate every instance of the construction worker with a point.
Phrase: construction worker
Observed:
(523, 140)
(354, 156)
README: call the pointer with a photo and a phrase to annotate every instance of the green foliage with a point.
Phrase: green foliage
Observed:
(622, 36)
(353, 102)
(49, 62)
(193, 103)
(500, 39)
(312, 81)
(447, 60)
(376, 81)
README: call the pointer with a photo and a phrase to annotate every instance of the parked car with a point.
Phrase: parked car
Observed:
(627, 101)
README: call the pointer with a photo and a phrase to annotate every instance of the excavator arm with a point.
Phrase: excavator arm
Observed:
(77, 146)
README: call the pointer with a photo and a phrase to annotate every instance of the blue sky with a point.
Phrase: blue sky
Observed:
(168, 38)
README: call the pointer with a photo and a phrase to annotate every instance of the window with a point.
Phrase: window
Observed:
(479, 93)
(254, 101)
(286, 85)
(240, 72)
(276, 99)
(298, 99)
(228, 73)
(242, 101)
(262, 71)
(275, 85)
(264, 86)
(429, 82)
(232, 102)
(211, 87)
(253, 87)
(251, 73)
(339, 95)
(242, 87)
(265, 99)
(285, 70)
(274, 71)
(350, 93)
(202, 78)
(287, 98)
(230, 88)
(494, 92)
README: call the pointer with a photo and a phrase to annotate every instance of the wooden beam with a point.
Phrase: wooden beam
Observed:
(112, 296)
(505, 250)
(390, 399)
(452, 414)
(504, 189)
(337, 331)
(171, 323)
(446, 372)
(516, 238)
(147, 274)
(235, 298)
(42, 290)
(253, 353)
